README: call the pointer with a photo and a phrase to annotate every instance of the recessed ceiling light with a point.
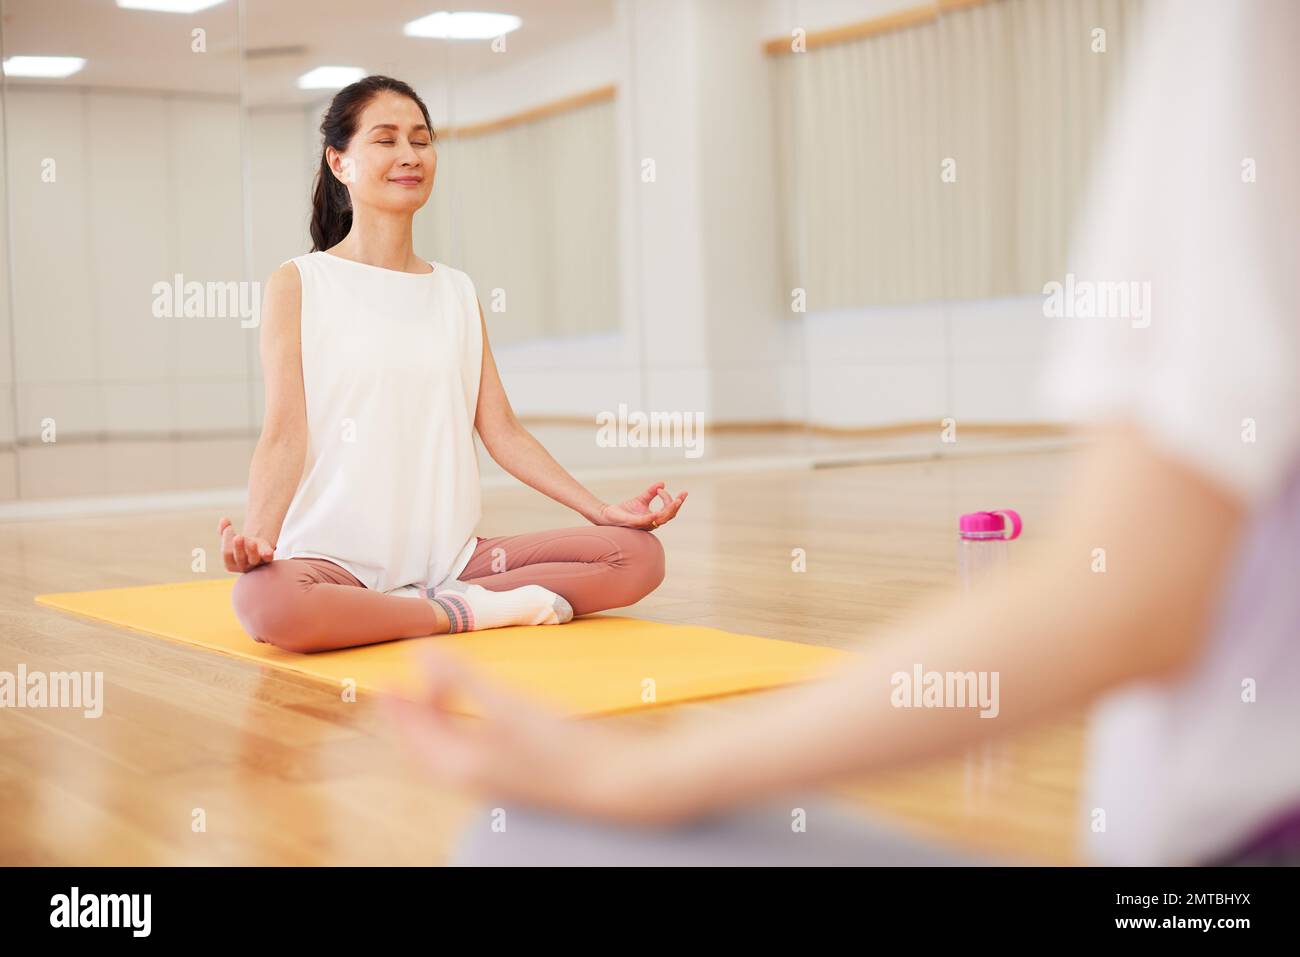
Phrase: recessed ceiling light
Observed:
(462, 26)
(169, 6)
(330, 77)
(46, 66)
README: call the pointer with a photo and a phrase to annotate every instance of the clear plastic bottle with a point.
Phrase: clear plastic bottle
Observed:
(982, 552)
(982, 555)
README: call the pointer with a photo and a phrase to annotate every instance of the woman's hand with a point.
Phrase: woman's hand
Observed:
(242, 553)
(520, 751)
(636, 511)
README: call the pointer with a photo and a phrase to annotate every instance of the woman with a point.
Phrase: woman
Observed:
(363, 489)
(1186, 640)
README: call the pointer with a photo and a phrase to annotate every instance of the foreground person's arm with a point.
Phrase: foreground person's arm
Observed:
(1058, 634)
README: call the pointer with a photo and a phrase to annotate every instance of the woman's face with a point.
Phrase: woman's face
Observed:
(391, 161)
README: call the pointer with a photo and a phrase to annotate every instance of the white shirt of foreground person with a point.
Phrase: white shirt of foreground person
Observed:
(1186, 770)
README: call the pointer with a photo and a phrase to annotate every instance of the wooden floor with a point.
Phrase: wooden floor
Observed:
(286, 773)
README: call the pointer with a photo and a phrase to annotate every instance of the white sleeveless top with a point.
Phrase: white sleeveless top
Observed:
(390, 368)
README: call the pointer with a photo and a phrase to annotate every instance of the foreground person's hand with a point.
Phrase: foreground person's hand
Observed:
(520, 751)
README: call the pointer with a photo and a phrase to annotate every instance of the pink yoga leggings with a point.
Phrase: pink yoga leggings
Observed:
(313, 604)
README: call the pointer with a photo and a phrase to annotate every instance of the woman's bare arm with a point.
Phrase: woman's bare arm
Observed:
(513, 447)
(277, 463)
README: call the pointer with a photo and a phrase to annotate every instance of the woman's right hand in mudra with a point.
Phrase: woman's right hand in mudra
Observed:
(242, 553)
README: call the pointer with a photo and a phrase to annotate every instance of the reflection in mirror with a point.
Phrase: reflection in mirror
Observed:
(931, 163)
(1025, 89)
(125, 184)
(854, 99)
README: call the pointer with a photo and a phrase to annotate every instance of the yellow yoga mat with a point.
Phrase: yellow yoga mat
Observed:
(601, 664)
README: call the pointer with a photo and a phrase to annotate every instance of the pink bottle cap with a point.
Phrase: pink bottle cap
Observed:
(982, 524)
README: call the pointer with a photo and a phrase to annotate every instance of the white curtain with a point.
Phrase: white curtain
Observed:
(1008, 97)
(531, 210)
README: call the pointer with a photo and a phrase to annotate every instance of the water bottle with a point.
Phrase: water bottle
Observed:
(983, 549)
(981, 556)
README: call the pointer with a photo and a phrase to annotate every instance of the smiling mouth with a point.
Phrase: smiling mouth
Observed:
(407, 181)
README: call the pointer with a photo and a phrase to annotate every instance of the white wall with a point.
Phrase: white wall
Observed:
(146, 186)
(977, 361)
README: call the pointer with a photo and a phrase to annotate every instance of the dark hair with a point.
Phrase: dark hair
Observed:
(331, 208)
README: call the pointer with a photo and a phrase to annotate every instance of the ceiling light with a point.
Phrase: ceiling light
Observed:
(462, 26)
(330, 77)
(45, 66)
(168, 6)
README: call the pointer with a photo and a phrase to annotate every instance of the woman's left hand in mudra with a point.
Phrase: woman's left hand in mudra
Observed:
(637, 513)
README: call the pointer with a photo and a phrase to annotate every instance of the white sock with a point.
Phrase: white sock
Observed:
(474, 608)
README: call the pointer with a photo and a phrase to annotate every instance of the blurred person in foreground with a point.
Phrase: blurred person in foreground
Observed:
(1187, 648)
